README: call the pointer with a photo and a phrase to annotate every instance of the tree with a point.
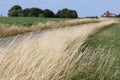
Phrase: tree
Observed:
(66, 13)
(48, 13)
(118, 15)
(15, 11)
(73, 14)
(26, 12)
(32, 12)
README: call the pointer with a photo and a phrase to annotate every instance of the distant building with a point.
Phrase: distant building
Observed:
(109, 14)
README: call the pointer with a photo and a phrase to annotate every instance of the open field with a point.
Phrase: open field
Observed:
(44, 24)
(27, 21)
(59, 55)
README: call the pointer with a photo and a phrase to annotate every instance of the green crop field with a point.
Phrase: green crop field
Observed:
(27, 21)
(108, 38)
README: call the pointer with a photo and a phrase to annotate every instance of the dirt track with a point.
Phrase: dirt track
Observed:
(84, 29)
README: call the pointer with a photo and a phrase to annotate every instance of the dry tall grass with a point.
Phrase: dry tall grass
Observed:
(13, 30)
(56, 55)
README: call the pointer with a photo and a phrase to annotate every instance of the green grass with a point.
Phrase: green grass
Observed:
(27, 21)
(108, 38)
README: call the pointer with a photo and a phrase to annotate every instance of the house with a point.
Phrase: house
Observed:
(109, 14)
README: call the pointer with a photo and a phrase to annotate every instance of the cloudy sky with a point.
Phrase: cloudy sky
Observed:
(83, 7)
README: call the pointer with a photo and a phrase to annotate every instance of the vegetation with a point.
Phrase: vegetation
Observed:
(108, 38)
(17, 11)
(27, 21)
(94, 17)
(31, 12)
(6, 31)
(66, 13)
(48, 13)
(118, 15)
(58, 55)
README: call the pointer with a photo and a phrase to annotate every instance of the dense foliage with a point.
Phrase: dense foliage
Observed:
(48, 13)
(66, 13)
(17, 11)
(32, 12)
(118, 15)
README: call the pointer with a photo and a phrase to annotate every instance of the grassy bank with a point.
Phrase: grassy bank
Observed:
(108, 38)
(6, 31)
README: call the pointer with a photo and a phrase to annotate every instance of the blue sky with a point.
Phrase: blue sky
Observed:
(83, 7)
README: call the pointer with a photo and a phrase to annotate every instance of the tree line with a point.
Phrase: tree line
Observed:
(17, 11)
(118, 15)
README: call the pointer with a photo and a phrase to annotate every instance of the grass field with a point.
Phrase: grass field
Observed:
(60, 55)
(108, 38)
(27, 21)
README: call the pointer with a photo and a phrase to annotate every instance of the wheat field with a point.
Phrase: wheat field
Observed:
(57, 55)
